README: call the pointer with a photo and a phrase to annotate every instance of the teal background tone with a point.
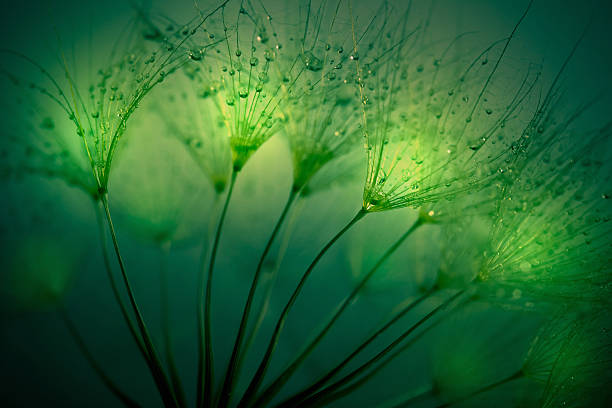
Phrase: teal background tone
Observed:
(39, 363)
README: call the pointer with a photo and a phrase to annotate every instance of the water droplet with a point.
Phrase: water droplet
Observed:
(243, 93)
(152, 34)
(311, 62)
(230, 101)
(195, 55)
(488, 111)
(269, 55)
(254, 61)
(262, 37)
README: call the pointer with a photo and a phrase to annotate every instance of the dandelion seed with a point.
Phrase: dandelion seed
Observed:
(550, 257)
(395, 130)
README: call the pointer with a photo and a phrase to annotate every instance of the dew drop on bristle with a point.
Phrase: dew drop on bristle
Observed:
(311, 62)
(269, 55)
(195, 55)
(153, 34)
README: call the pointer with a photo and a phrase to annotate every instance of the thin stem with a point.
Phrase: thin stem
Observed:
(515, 376)
(154, 363)
(166, 327)
(323, 396)
(227, 388)
(263, 366)
(80, 342)
(205, 362)
(414, 397)
(282, 379)
(113, 283)
(267, 296)
(392, 357)
(205, 254)
(302, 395)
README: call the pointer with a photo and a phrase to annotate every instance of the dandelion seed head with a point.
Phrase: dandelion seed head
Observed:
(551, 257)
(34, 143)
(423, 143)
(100, 106)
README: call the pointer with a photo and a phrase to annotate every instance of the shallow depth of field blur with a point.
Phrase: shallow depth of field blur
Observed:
(50, 251)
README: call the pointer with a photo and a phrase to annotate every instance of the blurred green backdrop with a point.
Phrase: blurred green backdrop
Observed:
(45, 222)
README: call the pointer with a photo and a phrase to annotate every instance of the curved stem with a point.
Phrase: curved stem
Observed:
(282, 379)
(226, 390)
(166, 327)
(154, 363)
(515, 376)
(113, 283)
(408, 401)
(324, 396)
(80, 342)
(267, 296)
(263, 366)
(304, 394)
(402, 349)
(205, 360)
(204, 256)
